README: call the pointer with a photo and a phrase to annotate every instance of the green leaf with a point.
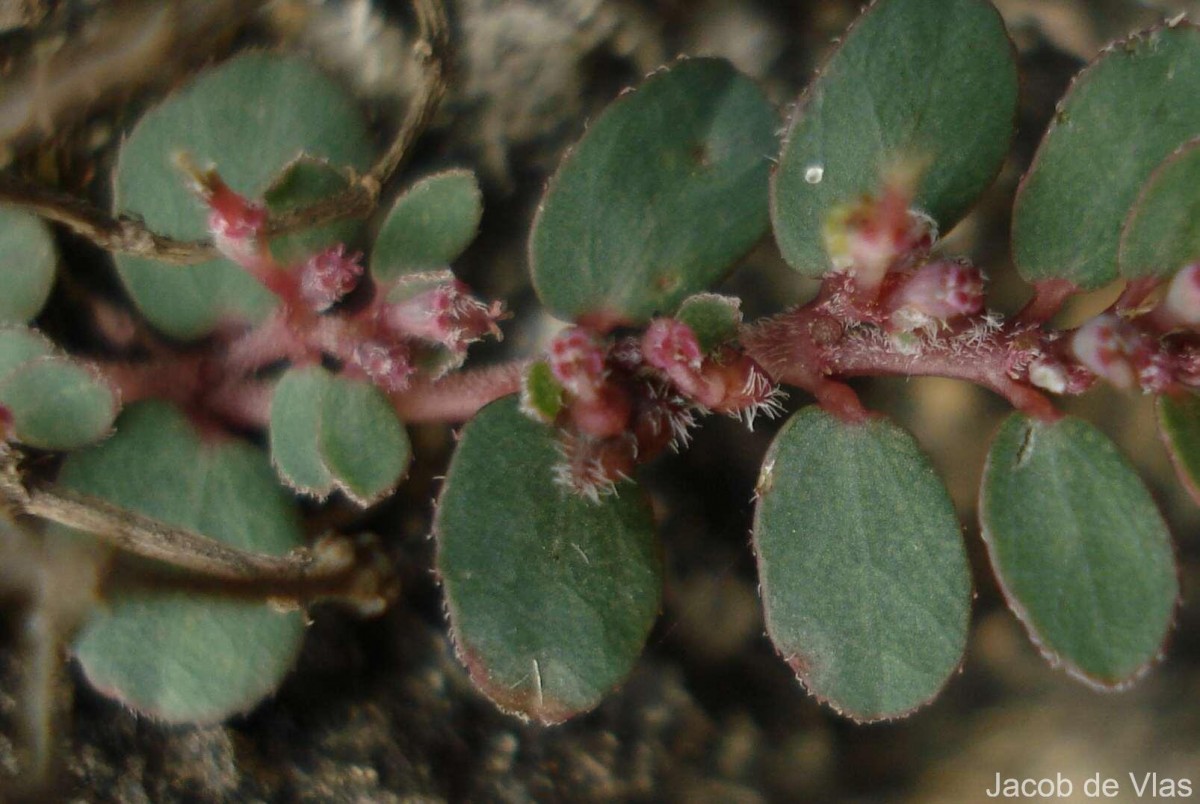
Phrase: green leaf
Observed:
(1122, 116)
(914, 85)
(178, 654)
(406, 286)
(1079, 548)
(302, 182)
(1162, 233)
(863, 572)
(429, 225)
(1179, 425)
(28, 261)
(541, 393)
(20, 345)
(713, 318)
(58, 403)
(361, 441)
(296, 408)
(658, 199)
(329, 431)
(550, 597)
(251, 117)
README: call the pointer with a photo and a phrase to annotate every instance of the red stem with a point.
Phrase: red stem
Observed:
(1135, 293)
(805, 347)
(459, 396)
(1048, 298)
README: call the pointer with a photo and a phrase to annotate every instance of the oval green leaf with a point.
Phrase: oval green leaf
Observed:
(19, 345)
(1162, 233)
(863, 572)
(658, 199)
(1122, 116)
(1179, 425)
(251, 117)
(713, 318)
(329, 431)
(28, 261)
(428, 226)
(915, 84)
(58, 403)
(1080, 550)
(361, 441)
(182, 655)
(541, 393)
(550, 597)
(296, 409)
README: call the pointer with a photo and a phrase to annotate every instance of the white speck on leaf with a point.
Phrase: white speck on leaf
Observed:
(813, 174)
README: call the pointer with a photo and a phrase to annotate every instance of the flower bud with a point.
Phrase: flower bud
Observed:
(1104, 345)
(867, 238)
(1051, 374)
(1181, 306)
(447, 314)
(326, 277)
(576, 359)
(671, 347)
(235, 225)
(749, 391)
(937, 292)
(1187, 364)
(1155, 371)
(388, 365)
(668, 343)
(726, 381)
(604, 415)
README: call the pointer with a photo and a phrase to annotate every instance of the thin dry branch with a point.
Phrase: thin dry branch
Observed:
(129, 235)
(331, 570)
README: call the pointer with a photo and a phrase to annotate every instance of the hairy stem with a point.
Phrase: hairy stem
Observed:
(805, 347)
(457, 397)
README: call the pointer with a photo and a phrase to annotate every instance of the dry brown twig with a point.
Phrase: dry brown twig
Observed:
(330, 570)
(129, 235)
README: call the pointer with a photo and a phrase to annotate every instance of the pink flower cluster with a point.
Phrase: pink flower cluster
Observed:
(627, 398)
(417, 323)
(883, 274)
(1157, 350)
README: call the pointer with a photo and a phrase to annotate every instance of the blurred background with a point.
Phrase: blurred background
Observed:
(380, 710)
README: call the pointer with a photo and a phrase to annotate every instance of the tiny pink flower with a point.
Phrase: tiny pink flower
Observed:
(1115, 350)
(603, 416)
(576, 359)
(387, 365)
(235, 223)
(671, 347)
(447, 314)
(936, 293)
(668, 344)
(868, 238)
(328, 276)
(1155, 372)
